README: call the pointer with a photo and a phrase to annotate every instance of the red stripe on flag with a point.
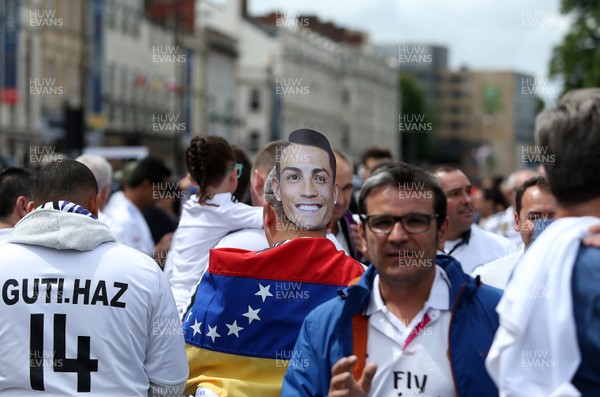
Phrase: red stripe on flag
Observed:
(310, 260)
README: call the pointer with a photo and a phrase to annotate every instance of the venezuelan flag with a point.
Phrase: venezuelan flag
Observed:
(248, 309)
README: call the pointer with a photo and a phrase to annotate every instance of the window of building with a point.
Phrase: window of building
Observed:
(346, 137)
(135, 23)
(255, 100)
(111, 13)
(455, 125)
(124, 19)
(254, 141)
(345, 96)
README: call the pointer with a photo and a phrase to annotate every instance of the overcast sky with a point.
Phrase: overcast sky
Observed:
(513, 35)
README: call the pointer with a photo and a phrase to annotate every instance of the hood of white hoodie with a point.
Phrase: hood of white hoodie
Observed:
(60, 230)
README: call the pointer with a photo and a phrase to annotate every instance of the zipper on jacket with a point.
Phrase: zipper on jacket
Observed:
(454, 306)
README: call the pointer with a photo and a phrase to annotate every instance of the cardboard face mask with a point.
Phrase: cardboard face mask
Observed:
(306, 180)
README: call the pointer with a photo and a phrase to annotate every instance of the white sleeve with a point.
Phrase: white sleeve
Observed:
(184, 277)
(242, 216)
(166, 361)
(125, 233)
(184, 293)
(158, 390)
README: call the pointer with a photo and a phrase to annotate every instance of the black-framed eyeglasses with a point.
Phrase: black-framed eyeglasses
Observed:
(412, 223)
(239, 167)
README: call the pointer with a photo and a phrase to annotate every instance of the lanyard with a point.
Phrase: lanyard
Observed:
(466, 236)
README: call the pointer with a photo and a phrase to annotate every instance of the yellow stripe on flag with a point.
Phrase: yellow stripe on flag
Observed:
(230, 375)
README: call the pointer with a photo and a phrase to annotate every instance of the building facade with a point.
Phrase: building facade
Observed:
(290, 77)
(486, 119)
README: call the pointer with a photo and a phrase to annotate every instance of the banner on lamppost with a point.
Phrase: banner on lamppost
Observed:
(187, 91)
(96, 117)
(10, 94)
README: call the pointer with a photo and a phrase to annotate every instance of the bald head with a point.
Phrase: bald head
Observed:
(514, 181)
(263, 164)
(344, 182)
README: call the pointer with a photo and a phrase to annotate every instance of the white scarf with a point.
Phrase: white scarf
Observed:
(535, 350)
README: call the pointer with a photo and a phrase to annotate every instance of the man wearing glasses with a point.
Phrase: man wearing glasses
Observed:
(415, 324)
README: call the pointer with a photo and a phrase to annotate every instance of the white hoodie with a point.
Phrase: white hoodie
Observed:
(75, 297)
(200, 229)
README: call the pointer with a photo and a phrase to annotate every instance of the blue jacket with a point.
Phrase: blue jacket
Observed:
(326, 335)
(586, 309)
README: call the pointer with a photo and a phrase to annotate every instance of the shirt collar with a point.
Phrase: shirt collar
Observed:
(439, 296)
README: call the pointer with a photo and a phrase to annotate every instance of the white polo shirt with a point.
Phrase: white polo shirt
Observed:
(497, 273)
(481, 248)
(127, 223)
(411, 360)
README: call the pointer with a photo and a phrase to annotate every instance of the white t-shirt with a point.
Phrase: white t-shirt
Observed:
(127, 223)
(483, 247)
(411, 360)
(200, 229)
(109, 308)
(341, 238)
(497, 273)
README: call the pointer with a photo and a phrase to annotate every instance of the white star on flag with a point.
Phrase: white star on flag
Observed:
(234, 329)
(252, 314)
(212, 332)
(196, 327)
(263, 292)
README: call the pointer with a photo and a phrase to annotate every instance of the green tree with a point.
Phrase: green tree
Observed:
(577, 59)
(416, 146)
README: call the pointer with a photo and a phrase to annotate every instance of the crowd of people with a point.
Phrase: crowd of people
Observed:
(305, 274)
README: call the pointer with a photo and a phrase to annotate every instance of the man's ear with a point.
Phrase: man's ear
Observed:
(362, 227)
(92, 205)
(442, 233)
(276, 188)
(104, 194)
(269, 217)
(30, 206)
(517, 221)
(257, 183)
(21, 206)
(336, 191)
